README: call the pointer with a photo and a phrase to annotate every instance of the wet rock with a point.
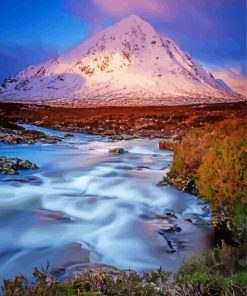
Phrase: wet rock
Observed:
(123, 137)
(33, 134)
(170, 245)
(172, 229)
(185, 184)
(194, 219)
(190, 187)
(13, 134)
(10, 166)
(68, 135)
(117, 151)
(170, 213)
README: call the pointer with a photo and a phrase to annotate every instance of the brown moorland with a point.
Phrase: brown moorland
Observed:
(151, 121)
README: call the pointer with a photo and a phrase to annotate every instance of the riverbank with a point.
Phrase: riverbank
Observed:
(211, 162)
(220, 273)
(122, 122)
(11, 133)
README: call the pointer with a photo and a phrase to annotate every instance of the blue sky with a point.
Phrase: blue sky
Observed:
(32, 31)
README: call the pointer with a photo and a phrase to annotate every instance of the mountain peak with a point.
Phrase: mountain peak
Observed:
(133, 18)
(126, 64)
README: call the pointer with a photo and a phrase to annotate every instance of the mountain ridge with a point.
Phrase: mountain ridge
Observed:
(126, 64)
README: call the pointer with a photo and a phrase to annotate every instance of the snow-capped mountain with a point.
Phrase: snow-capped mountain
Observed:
(126, 64)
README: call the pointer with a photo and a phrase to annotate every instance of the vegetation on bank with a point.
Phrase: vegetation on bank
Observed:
(222, 272)
(213, 158)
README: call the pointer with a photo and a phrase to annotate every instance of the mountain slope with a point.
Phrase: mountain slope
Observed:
(126, 64)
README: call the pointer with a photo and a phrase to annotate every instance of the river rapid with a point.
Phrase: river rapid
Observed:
(86, 207)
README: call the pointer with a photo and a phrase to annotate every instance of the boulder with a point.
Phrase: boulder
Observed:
(68, 135)
(117, 151)
(10, 166)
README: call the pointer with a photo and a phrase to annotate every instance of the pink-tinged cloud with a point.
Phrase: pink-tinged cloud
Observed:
(232, 77)
(119, 9)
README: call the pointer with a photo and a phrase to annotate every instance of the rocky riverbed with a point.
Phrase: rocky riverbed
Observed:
(11, 133)
(95, 202)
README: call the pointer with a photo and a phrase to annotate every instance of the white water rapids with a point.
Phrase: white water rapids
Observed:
(86, 205)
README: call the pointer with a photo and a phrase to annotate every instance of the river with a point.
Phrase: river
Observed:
(86, 207)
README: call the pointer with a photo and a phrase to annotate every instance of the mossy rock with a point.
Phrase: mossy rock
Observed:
(33, 134)
(68, 135)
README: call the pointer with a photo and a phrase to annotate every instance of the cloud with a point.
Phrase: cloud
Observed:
(87, 11)
(119, 9)
(232, 77)
(14, 57)
(98, 12)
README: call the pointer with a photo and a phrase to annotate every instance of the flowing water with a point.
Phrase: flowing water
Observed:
(86, 206)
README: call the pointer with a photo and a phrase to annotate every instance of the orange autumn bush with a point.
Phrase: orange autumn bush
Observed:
(214, 157)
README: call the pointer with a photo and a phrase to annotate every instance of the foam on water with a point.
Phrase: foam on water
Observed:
(102, 202)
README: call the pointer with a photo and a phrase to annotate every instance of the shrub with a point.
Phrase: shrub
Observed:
(214, 158)
(221, 177)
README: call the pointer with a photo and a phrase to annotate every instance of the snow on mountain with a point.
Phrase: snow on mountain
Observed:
(126, 64)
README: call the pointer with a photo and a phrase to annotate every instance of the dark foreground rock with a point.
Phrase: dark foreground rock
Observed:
(185, 184)
(10, 166)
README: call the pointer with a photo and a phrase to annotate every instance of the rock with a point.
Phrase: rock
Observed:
(117, 151)
(190, 187)
(170, 213)
(123, 137)
(26, 138)
(185, 184)
(68, 135)
(194, 219)
(188, 220)
(33, 134)
(172, 229)
(12, 126)
(13, 134)
(10, 166)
